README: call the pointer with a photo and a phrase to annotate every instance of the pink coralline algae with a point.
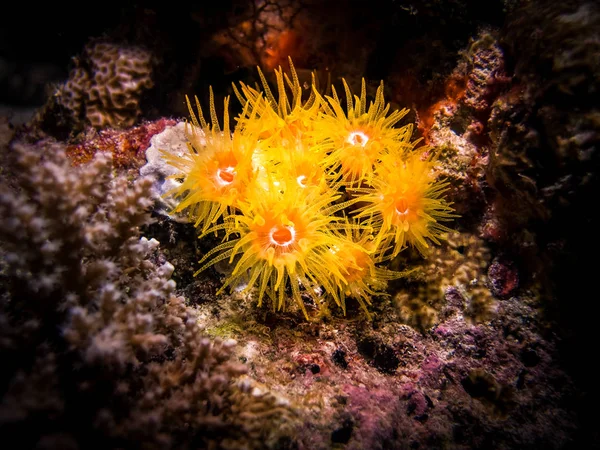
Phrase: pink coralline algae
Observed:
(503, 277)
(128, 147)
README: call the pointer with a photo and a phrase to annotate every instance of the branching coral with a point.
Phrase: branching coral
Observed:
(288, 228)
(97, 349)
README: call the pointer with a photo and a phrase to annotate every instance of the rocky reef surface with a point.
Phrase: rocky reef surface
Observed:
(110, 339)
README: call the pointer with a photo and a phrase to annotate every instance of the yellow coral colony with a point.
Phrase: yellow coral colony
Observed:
(275, 187)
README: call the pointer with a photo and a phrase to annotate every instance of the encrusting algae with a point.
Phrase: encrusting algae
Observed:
(284, 184)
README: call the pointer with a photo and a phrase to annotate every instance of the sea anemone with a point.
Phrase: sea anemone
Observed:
(216, 169)
(286, 237)
(405, 202)
(360, 136)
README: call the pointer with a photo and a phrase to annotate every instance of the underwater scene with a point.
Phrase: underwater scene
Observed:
(300, 225)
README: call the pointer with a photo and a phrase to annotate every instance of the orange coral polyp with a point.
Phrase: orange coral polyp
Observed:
(363, 278)
(277, 234)
(361, 135)
(407, 206)
(360, 268)
(216, 169)
(308, 174)
(286, 234)
(356, 164)
(308, 167)
(281, 119)
(402, 207)
(405, 203)
(219, 167)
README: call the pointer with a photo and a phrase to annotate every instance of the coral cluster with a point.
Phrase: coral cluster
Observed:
(105, 87)
(97, 349)
(310, 195)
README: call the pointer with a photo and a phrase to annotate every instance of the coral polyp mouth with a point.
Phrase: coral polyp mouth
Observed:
(402, 208)
(282, 235)
(301, 181)
(358, 138)
(226, 176)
